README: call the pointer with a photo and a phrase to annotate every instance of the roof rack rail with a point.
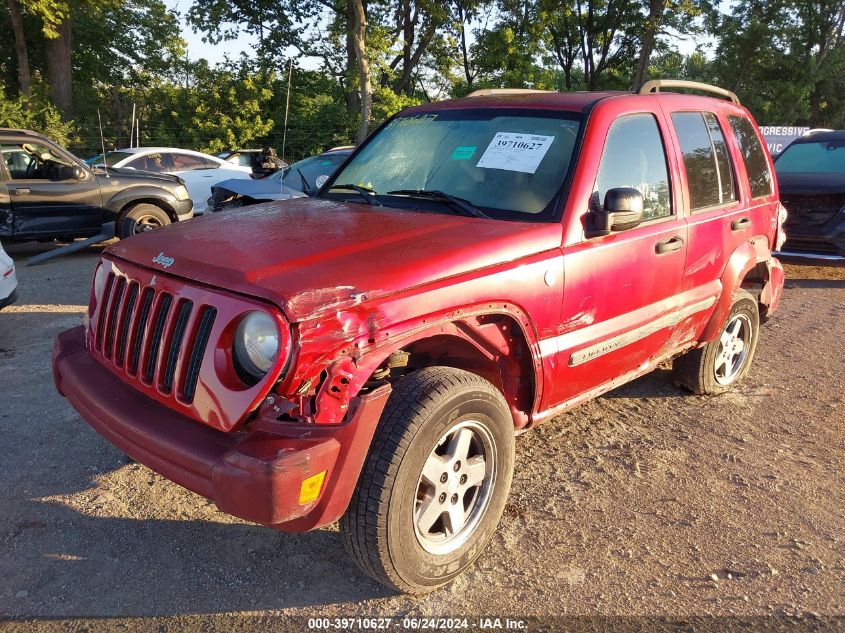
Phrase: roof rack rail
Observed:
(486, 92)
(17, 130)
(655, 85)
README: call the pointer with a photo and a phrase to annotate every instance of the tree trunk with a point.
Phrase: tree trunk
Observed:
(403, 84)
(649, 35)
(565, 53)
(351, 95)
(408, 38)
(59, 69)
(24, 77)
(816, 117)
(645, 56)
(359, 30)
(462, 16)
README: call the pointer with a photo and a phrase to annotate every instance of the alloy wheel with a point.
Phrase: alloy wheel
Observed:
(455, 487)
(734, 346)
(146, 223)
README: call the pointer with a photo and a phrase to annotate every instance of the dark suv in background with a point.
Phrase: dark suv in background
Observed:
(48, 193)
(811, 178)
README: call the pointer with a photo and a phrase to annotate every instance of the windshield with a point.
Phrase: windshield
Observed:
(822, 157)
(315, 170)
(508, 163)
(112, 158)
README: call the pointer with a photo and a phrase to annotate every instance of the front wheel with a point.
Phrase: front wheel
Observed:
(435, 481)
(140, 219)
(723, 362)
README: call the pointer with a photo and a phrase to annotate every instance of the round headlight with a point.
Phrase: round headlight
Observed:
(100, 278)
(256, 346)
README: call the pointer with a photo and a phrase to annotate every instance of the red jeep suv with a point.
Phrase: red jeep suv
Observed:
(475, 268)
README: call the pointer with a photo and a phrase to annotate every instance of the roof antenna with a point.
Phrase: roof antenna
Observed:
(103, 143)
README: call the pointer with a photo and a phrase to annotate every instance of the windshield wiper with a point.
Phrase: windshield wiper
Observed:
(306, 188)
(366, 194)
(454, 202)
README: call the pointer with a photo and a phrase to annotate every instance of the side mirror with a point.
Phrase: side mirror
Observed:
(64, 172)
(68, 172)
(623, 209)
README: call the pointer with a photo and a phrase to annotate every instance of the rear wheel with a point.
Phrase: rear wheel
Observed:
(140, 219)
(435, 482)
(722, 363)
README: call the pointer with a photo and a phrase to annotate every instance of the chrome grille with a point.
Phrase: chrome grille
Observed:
(200, 342)
(809, 212)
(148, 333)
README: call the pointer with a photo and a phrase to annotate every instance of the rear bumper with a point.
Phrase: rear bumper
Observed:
(773, 288)
(255, 475)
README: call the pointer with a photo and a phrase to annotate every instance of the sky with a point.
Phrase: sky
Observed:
(198, 49)
(215, 52)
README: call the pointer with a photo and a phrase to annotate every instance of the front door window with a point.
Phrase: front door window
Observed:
(634, 157)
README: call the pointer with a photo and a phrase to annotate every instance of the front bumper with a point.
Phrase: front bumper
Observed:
(184, 209)
(825, 242)
(10, 299)
(255, 475)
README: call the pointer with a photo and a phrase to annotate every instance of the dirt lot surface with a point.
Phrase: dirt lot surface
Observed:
(645, 502)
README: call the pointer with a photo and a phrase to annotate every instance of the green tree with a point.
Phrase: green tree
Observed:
(784, 58)
(36, 112)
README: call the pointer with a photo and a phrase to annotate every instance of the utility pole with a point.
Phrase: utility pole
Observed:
(132, 126)
(287, 107)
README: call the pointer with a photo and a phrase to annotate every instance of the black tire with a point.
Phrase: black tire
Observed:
(140, 218)
(379, 529)
(702, 371)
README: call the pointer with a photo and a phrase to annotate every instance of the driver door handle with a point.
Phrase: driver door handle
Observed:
(21, 191)
(669, 245)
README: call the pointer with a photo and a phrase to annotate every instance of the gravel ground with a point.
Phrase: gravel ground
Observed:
(645, 502)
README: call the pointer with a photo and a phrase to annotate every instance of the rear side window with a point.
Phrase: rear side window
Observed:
(727, 186)
(699, 159)
(759, 176)
(634, 156)
(243, 160)
(189, 162)
(706, 160)
(156, 163)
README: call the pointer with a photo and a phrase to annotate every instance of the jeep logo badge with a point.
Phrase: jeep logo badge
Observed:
(164, 260)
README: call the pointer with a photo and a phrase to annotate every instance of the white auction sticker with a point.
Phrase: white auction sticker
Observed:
(515, 152)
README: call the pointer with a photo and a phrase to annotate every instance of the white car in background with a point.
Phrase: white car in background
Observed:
(8, 280)
(198, 171)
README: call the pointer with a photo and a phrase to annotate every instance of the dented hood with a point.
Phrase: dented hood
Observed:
(810, 183)
(258, 189)
(310, 256)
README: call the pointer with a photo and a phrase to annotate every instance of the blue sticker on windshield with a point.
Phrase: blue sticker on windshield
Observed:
(463, 152)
